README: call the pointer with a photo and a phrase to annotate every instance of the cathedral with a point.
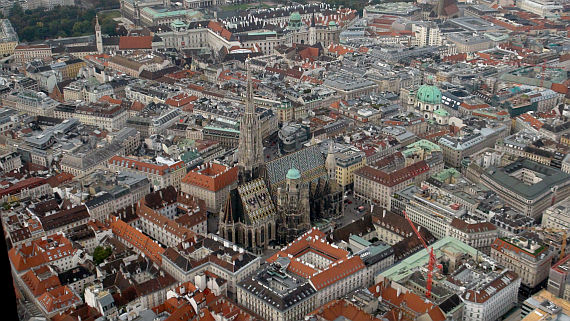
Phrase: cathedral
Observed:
(275, 202)
(248, 217)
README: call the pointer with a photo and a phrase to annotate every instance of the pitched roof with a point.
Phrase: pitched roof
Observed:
(394, 177)
(342, 310)
(408, 302)
(135, 42)
(144, 167)
(472, 227)
(485, 293)
(59, 298)
(213, 177)
(40, 252)
(64, 217)
(164, 223)
(136, 238)
(40, 280)
(314, 241)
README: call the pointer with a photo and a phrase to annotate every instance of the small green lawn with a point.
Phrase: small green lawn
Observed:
(110, 14)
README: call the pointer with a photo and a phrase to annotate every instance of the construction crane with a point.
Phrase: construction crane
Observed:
(431, 262)
(552, 230)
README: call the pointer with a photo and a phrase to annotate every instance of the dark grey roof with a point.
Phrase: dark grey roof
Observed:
(551, 177)
(306, 160)
(260, 285)
(74, 275)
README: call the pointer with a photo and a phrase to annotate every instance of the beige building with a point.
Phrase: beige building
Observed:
(111, 117)
(30, 102)
(530, 260)
(342, 165)
(310, 272)
(479, 235)
(210, 182)
(213, 254)
(456, 148)
(527, 186)
(469, 42)
(557, 216)
(160, 174)
(26, 53)
(377, 183)
(8, 38)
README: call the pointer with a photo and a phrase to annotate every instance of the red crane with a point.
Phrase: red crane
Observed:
(431, 262)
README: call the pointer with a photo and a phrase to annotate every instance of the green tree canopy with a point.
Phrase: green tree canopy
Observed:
(101, 253)
(67, 21)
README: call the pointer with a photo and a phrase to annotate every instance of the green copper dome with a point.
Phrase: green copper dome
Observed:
(429, 94)
(293, 173)
(295, 16)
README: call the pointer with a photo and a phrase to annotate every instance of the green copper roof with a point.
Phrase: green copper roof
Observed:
(446, 174)
(441, 112)
(293, 173)
(295, 16)
(441, 248)
(265, 33)
(420, 145)
(429, 94)
(178, 24)
(425, 144)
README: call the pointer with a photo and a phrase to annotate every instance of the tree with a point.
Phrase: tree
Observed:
(39, 24)
(101, 253)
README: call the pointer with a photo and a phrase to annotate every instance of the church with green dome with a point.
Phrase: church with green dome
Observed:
(429, 94)
(428, 102)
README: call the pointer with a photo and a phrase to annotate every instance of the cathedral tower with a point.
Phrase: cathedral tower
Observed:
(250, 148)
(293, 208)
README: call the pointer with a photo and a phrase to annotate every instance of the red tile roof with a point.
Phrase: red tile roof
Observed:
(40, 252)
(342, 310)
(28, 183)
(59, 298)
(58, 179)
(213, 178)
(111, 100)
(163, 222)
(137, 239)
(502, 244)
(409, 303)
(144, 166)
(180, 100)
(314, 241)
(220, 30)
(395, 177)
(528, 118)
(339, 49)
(135, 42)
(38, 286)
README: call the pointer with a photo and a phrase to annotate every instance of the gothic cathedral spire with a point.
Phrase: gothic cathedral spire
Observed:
(250, 148)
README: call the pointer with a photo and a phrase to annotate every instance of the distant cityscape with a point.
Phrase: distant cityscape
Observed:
(231, 161)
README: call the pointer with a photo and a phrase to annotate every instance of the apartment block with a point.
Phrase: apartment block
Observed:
(210, 182)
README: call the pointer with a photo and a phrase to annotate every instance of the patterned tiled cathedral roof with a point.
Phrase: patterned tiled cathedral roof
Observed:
(309, 161)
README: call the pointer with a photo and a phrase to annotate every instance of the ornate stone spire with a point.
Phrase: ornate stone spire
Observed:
(250, 148)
